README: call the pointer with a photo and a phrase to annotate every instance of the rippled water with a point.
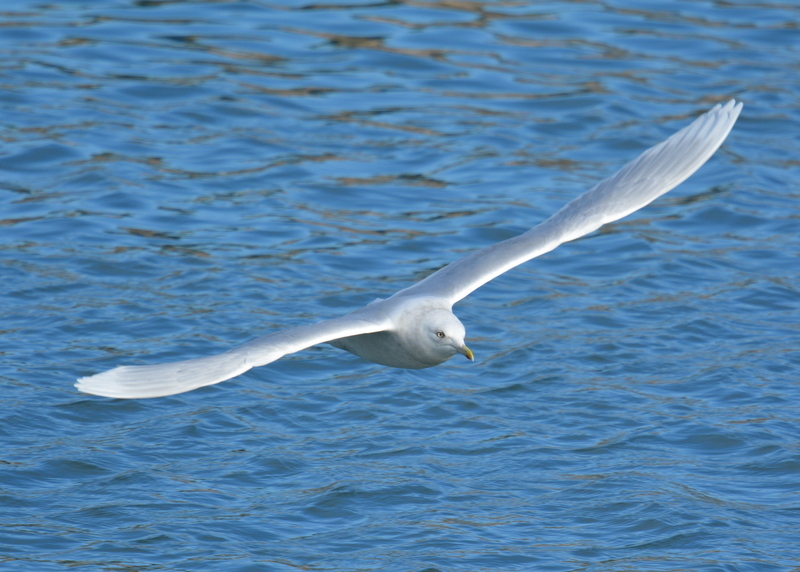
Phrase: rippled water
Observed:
(178, 177)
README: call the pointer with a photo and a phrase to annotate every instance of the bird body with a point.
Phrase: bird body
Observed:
(424, 333)
(416, 328)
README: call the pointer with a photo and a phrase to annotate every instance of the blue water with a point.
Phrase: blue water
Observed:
(179, 177)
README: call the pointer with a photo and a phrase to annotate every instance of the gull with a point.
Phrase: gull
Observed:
(416, 328)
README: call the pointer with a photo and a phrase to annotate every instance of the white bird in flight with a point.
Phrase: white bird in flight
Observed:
(416, 328)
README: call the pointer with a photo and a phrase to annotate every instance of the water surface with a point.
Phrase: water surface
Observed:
(179, 177)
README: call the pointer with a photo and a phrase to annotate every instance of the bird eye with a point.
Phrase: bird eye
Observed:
(440, 334)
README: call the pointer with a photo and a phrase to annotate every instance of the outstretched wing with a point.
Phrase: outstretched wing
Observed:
(653, 173)
(137, 381)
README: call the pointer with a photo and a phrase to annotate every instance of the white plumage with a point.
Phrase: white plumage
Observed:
(416, 327)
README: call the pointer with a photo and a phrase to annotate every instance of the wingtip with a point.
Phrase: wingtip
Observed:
(163, 379)
(95, 385)
(83, 384)
(80, 384)
(732, 108)
(729, 107)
